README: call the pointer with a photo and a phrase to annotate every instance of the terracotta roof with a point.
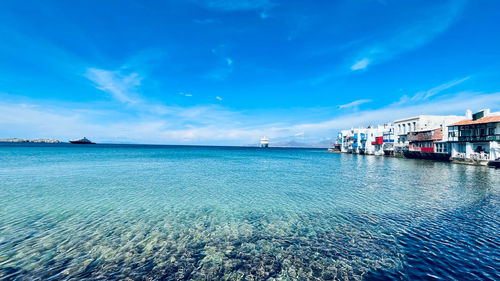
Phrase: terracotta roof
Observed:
(489, 119)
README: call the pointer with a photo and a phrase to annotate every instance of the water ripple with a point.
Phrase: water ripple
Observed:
(184, 213)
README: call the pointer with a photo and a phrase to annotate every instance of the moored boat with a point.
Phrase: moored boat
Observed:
(83, 140)
(494, 163)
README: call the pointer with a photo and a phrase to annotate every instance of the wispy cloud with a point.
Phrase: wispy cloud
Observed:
(121, 87)
(425, 95)
(208, 124)
(409, 37)
(218, 98)
(185, 94)
(354, 104)
(455, 105)
(361, 64)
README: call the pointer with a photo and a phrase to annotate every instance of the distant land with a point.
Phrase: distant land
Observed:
(35, 140)
(293, 143)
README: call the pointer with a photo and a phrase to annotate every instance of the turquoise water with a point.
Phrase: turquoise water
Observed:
(219, 213)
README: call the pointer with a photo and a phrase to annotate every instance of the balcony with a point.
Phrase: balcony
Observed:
(479, 138)
(378, 140)
(480, 156)
(474, 156)
(436, 134)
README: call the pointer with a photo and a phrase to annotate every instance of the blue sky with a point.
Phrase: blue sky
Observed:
(229, 72)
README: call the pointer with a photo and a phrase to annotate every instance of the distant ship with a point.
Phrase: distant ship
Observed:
(264, 142)
(84, 140)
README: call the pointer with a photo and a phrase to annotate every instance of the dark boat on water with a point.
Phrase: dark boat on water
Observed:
(495, 163)
(84, 140)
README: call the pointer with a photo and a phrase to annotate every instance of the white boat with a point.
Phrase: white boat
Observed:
(264, 142)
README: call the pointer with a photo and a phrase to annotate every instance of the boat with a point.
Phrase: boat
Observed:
(494, 163)
(83, 140)
(264, 142)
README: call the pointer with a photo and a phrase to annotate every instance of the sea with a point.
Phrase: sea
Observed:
(153, 212)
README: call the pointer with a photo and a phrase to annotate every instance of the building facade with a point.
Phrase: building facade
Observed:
(477, 139)
(422, 123)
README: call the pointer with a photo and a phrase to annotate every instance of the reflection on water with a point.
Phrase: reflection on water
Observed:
(193, 213)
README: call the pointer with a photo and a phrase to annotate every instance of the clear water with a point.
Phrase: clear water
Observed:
(217, 213)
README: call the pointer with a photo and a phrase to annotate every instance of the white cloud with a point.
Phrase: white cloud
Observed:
(455, 105)
(185, 94)
(157, 123)
(121, 87)
(361, 64)
(229, 61)
(355, 103)
(425, 95)
(410, 37)
(207, 124)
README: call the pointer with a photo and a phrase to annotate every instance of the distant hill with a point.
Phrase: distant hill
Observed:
(320, 144)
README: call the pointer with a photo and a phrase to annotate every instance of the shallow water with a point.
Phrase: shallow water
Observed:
(71, 212)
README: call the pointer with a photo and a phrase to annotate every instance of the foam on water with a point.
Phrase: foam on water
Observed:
(198, 213)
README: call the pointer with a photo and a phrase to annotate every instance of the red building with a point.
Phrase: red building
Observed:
(424, 140)
(422, 144)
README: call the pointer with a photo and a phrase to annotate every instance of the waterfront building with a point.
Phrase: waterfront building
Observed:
(476, 140)
(338, 143)
(367, 137)
(421, 123)
(425, 144)
(384, 141)
(432, 143)
(363, 140)
(346, 141)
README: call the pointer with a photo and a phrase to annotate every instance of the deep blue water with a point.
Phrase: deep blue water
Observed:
(73, 212)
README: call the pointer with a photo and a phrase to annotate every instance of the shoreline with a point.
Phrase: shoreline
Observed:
(451, 160)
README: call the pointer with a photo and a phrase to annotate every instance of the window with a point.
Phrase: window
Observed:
(491, 131)
(461, 147)
(414, 126)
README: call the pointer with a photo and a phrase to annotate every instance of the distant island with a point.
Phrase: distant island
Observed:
(34, 141)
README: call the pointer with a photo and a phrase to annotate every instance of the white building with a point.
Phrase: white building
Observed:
(420, 123)
(476, 139)
(384, 140)
(362, 140)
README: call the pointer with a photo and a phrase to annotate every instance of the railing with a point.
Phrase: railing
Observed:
(480, 138)
(474, 156)
(480, 156)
